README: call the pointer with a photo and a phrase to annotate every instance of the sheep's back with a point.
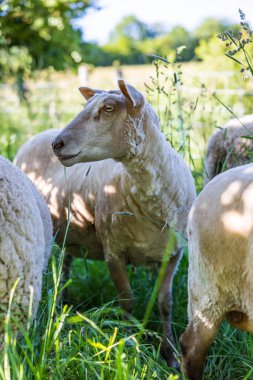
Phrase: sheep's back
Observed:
(227, 148)
(22, 239)
(80, 186)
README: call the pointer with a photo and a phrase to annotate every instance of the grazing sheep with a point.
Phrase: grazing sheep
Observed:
(220, 231)
(25, 242)
(124, 193)
(227, 148)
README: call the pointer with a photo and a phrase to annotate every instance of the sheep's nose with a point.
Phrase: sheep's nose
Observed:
(58, 143)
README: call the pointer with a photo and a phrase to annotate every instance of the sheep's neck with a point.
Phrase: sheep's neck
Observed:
(149, 171)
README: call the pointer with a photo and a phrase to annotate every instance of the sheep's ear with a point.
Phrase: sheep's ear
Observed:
(131, 94)
(88, 92)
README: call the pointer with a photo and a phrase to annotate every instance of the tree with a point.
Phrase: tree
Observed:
(212, 52)
(126, 43)
(172, 41)
(135, 30)
(180, 37)
(43, 28)
(212, 26)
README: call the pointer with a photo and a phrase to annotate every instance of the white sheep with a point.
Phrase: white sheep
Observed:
(227, 148)
(125, 191)
(25, 242)
(220, 232)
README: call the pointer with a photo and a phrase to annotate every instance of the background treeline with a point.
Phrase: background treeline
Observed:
(39, 34)
(132, 41)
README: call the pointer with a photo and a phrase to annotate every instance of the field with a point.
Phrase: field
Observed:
(88, 338)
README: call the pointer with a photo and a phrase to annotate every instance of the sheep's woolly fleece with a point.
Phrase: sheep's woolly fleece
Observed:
(220, 247)
(227, 148)
(25, 240)
(220, 231)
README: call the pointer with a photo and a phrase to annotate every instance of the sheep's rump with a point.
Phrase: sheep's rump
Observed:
(220, 229)
(25, 239)
(228, 148)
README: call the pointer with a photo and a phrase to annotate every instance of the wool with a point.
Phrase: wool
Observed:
(220, 278)
(25, 241)
(227, 148)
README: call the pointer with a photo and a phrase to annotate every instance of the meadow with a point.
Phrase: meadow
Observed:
(87, 337)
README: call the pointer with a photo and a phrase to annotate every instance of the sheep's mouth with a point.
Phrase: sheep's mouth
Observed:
(67, 157)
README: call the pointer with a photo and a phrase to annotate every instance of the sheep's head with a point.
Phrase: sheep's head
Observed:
(108, 127)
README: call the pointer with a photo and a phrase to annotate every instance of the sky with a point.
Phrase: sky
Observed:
(97, 25)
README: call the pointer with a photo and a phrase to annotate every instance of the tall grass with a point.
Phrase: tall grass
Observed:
(67, 342)
(87, 337)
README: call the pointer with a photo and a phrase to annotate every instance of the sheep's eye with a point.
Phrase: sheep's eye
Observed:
(108, 108)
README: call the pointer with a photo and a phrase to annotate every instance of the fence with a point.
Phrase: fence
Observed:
(60, 94)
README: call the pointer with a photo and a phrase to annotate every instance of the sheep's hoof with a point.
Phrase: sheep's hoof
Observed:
(169, 357)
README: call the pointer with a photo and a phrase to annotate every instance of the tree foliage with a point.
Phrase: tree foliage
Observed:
(132, 40)
(133, 29)
(41, 30)
(211, 27)
(36, 34)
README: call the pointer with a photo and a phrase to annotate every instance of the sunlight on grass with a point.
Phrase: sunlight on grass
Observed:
(88, 337)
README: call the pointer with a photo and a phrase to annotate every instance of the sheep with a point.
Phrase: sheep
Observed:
(128, 185)
(25, 243)
(227, 148)
(220, 284)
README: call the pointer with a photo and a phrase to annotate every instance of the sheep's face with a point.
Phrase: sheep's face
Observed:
(102, 129)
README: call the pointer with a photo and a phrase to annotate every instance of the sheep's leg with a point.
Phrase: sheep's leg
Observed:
(165, 307)
(195, 343)
(118, 271)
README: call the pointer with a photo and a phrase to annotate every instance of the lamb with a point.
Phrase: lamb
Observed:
(127, 186)
(220, 232)
(25, 242)
(227, 148)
